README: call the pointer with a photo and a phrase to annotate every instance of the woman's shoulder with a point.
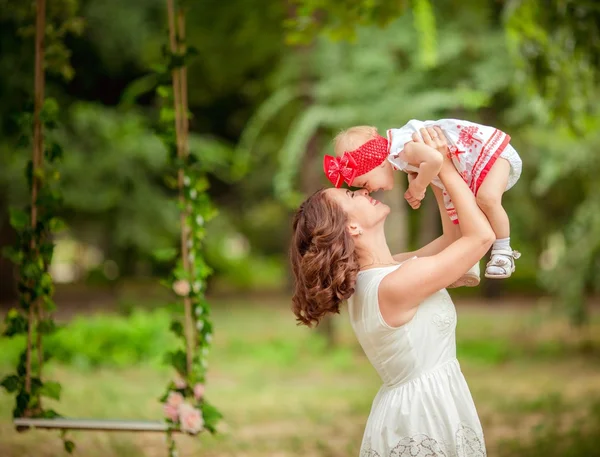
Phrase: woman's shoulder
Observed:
(371, 277)
(374, 276)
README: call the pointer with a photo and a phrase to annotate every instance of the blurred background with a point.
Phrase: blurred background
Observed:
(271, 84)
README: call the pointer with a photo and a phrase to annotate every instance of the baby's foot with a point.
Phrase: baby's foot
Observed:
(469, 279)
(501, 264)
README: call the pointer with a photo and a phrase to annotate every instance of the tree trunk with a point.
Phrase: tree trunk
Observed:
(430, 226)
(396, 227)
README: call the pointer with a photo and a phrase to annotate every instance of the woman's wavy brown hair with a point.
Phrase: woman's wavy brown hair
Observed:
(323, 259)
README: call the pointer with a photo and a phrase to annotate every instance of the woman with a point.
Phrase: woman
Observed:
(400, 311)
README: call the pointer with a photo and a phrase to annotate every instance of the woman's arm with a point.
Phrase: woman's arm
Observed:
(429, 162)
(401, 291)
(450, 233)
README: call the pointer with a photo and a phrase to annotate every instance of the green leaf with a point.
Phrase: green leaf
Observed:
(69, 446)
(50, 414)
(49, 113)
(21, 404)
(54, 151)
(11, 383)
(164, 91)
(177, 328)
(13, 254)
(51, 389)
(137, 88)
(211, 416)
(16, 323)
(18, 219)
(49, 304)
(31, 270)
(36, 386)
(46, 326)
(21, 370)
(57, 225)
(165, 255)
(177, 360)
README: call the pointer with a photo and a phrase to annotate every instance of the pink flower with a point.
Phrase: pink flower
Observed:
(191, 419)
(181, 287)
(180, 382)
(171, 412)
(175, 399)
(199, 391)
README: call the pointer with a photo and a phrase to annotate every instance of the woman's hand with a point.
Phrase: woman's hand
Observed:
(434, 138)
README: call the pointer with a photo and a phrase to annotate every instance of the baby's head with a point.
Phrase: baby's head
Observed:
(361, 160)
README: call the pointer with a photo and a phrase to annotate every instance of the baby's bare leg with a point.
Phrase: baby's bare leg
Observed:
(489, 197)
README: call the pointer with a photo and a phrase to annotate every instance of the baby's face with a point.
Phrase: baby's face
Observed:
(379, 178)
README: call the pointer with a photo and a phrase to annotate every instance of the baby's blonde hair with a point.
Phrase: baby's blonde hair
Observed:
(353, 138)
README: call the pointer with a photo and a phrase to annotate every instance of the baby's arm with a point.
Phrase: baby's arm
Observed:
(428, 160)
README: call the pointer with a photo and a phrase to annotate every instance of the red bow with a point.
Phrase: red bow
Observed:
(339, 169)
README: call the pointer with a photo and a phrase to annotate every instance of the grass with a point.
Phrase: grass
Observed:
(284, 394)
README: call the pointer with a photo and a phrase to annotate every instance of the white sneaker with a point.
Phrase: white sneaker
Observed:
(501, 264)
(469, 279)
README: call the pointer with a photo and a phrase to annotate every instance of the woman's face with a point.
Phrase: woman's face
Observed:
(363, 211)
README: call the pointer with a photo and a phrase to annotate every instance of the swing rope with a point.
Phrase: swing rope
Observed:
(179, 78)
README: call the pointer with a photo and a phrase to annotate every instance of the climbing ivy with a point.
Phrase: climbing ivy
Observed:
(37, 222)
(185, 405)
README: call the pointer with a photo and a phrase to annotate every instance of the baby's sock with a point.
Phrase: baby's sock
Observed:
(499, 265)
(502, 243)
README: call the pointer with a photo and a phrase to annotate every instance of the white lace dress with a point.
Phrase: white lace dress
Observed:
(424, 408)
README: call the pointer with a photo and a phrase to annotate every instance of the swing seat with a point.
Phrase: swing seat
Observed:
(25, 423)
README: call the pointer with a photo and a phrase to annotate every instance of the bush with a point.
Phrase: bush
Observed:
(104, 340)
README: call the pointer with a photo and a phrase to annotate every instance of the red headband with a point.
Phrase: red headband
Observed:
(355, 163)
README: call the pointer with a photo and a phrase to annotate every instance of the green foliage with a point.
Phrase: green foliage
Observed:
(380, 80)
(556, 45)
(33, 255)
(62, 20)
(556, 437)
(36, 225)
(188, 175)
(568, 203)
(104, 341)
(125, 32)
(338, 19)
(112, 341)
(129, 160)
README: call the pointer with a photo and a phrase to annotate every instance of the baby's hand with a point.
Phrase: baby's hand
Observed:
(413, 193)
(416, 190)
(413, 202)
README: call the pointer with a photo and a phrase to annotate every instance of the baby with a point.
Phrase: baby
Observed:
(366, 159)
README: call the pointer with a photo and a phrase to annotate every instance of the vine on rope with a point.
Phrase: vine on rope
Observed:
(35, 225)
(185, 405)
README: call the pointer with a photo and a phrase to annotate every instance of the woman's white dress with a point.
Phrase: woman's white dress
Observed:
(424, 408)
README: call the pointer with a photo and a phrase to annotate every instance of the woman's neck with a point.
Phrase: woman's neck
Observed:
(373, 251)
